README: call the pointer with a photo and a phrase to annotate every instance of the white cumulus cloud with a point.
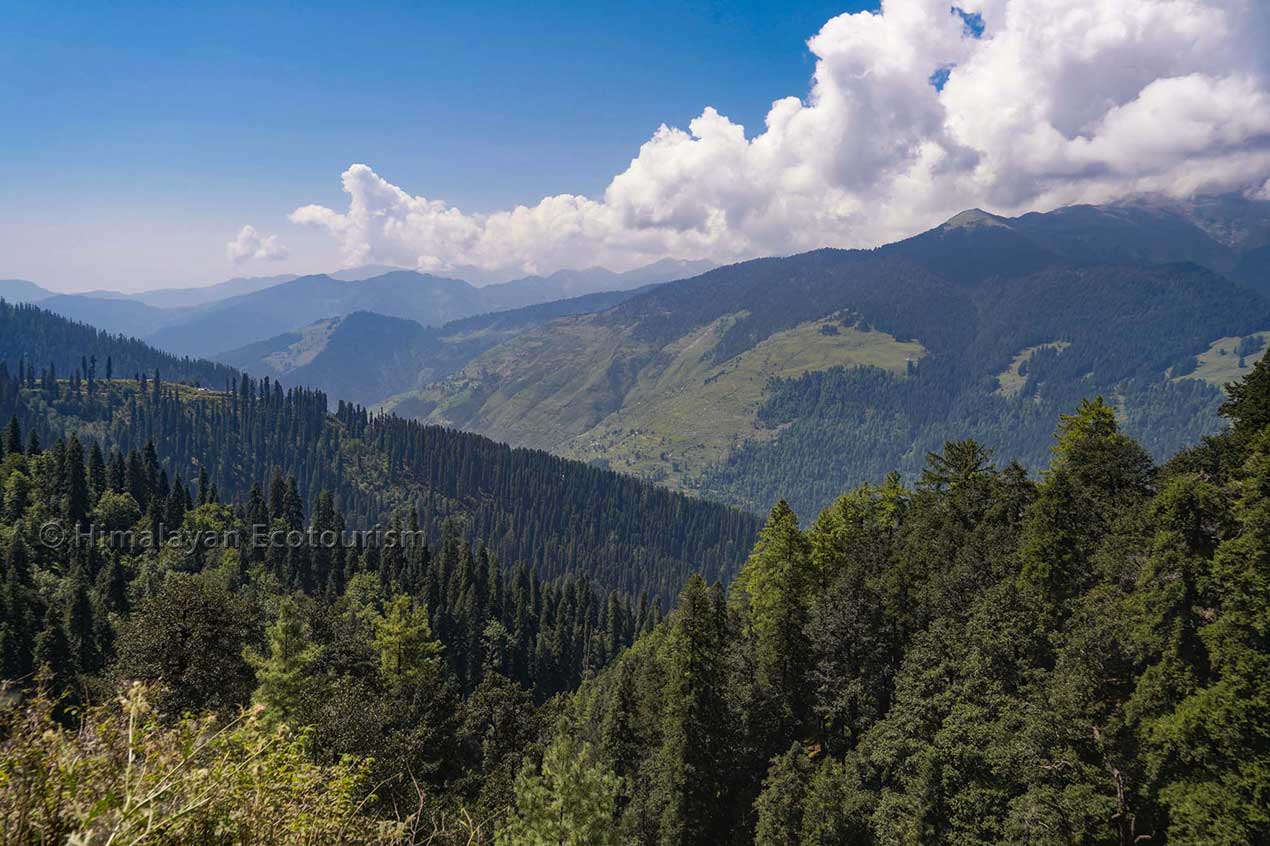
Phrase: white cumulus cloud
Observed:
(914, 113)
(250, 244)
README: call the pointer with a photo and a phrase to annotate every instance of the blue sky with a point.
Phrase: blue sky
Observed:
(137, 138)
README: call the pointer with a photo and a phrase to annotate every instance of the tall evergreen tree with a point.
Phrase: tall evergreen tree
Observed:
(281, 674)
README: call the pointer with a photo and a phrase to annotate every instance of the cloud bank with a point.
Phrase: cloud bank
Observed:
(915, 113)
(250, 244)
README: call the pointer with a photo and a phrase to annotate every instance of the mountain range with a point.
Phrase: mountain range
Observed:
(833, 367)
(830, 368)
(220, 318)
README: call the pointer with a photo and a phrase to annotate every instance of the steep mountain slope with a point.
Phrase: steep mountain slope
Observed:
(1219, 233)
(670, 381)
(1044, 342)
(1253, 270)
(367, 358)
(362, 357)
(32, 337)
(701, 383)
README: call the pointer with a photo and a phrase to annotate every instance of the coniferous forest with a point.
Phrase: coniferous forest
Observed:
(235, 616)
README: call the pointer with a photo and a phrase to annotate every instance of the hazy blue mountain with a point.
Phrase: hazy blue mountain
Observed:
(231, 323)
(115, 315)
(573, 283)
(366, 271)
(198, 295)
(235, 322)
(1253, 270)
(367, 358)
(190, 297)
(22, 291)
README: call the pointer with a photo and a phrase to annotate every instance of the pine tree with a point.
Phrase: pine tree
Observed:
(79, 624)
(277, 496)
(52, 649)
(404, 642)
(1098, 474)
(774, 590)
(571, 802)
(97, 480)
(691, 766)
(780, 805)
(76, 503)
(1214, 743)
(13, 437)
(280, 675)
(292, 506)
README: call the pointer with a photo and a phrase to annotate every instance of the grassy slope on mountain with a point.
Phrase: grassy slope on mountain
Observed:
(1228, 359)
(685, 363)
(697, 409)
(1121, 329)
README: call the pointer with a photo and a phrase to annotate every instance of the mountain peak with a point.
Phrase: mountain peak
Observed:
(974, 217)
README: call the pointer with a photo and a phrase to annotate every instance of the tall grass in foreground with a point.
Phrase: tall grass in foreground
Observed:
(124, 776)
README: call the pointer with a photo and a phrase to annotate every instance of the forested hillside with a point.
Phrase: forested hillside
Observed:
(1041, 342)
(413, 665)
(33, 339)
(559, 516)
(794, 377)
(978, 658)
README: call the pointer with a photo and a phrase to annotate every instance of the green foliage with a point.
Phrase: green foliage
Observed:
(773, 590)
(189, 635)
(560, 517)
(404, 642)
(978, 659)
(280, 675)
(570, 802)
(1214, 744)
(780, 805)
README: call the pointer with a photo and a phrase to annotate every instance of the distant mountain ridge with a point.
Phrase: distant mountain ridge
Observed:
(22, 291)
(219, 318)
